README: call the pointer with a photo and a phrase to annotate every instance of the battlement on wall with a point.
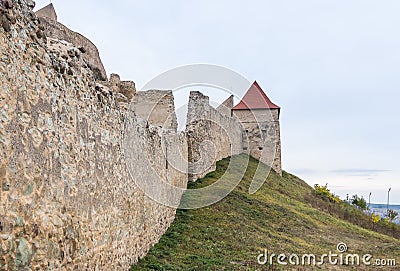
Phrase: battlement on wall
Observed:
(211, 135)
(54, 29)
(226, 107)
(124, 91)
(157, 107)
(47, 12)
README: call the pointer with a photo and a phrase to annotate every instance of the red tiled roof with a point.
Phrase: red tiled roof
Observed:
(255, 98)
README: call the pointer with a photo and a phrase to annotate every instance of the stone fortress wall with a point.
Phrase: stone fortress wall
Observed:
(67, 201)
(211, 134)
(67, 198)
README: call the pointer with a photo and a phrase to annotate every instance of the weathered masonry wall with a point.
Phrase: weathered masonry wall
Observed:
(263, 132)
(67, 201)
(124, 91)
(59, 31)
(226, 107)
(212, 135)
(156, 106)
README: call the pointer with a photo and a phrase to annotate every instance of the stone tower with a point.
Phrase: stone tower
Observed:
(47, 12)
(260, 119)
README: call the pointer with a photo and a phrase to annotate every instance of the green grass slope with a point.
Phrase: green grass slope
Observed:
(284, 216)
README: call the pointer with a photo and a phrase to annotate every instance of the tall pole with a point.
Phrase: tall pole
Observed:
(369, 200)
(387, 209)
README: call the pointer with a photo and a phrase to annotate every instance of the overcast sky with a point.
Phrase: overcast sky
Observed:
(333, 66)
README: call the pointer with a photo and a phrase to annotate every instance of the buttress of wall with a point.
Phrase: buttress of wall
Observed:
(58, 31)
(67, 201)
(157, 107)
(263, 132)
(212, 136)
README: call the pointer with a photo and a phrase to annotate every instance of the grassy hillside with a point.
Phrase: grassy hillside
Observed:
(284, 216)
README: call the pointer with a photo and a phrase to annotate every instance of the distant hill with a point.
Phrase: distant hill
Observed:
(284, 216)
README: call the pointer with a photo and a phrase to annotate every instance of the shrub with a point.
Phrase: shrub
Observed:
(375, 218)
(325, 193)
(392, 214)
(359, 202)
